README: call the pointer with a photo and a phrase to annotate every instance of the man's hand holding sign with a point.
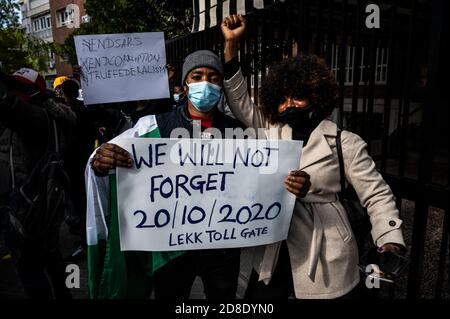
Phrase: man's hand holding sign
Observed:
(110, 156)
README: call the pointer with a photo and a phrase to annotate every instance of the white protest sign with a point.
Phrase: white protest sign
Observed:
(122, 67)
(202, 194)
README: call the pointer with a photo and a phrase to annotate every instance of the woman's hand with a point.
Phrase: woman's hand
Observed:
(233, 28)
(297, 182)
(109, 156)
(393, 248)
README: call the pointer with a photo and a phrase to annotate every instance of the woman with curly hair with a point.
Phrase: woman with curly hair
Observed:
(300, 92)
(320, 256)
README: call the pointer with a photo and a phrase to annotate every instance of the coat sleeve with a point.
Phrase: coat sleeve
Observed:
(241, 104)
(373, 192)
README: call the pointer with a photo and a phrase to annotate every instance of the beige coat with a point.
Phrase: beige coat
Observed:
(322, 247)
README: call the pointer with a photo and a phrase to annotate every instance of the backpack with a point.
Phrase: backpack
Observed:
(37, 208)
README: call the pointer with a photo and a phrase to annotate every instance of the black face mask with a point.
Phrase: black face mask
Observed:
(302, 121)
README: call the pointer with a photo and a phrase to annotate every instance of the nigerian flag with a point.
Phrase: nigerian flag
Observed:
(113, 273)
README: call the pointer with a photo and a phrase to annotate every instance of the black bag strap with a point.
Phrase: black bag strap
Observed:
(11, 155)
(53, 133)
(340, 158)
(11, 161)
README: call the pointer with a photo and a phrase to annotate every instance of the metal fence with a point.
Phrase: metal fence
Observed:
(391, 81)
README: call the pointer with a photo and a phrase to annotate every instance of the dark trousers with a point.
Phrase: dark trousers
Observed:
(10, 284)
(218, 269)
(76, 216)
(42, 273)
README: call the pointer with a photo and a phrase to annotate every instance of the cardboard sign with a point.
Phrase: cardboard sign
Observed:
(122, 67)
(202, 194)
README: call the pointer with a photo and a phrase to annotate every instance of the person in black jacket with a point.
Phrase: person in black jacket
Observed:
(219, 268)
(25, 113)
(83, 146)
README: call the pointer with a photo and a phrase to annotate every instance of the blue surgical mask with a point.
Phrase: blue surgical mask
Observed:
(204, 95)
(177, 97)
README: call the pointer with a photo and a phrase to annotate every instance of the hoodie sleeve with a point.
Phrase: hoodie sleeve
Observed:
(23, 118)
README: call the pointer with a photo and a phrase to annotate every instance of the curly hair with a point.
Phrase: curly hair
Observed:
(304, 76)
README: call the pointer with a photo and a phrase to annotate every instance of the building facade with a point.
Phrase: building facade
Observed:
(36, 22)
(66, 16)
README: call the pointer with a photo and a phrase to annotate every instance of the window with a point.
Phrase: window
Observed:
(42, 23)
(42, 26)
(64, 17)
(381, 65)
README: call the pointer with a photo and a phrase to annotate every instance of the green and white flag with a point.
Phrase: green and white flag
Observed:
(113, 273)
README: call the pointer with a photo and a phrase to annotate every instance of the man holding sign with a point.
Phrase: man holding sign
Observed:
(175, 272)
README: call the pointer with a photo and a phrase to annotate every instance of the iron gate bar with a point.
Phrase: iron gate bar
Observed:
(281, 32)
(289, 8)
(356, 69)
(317, 28)
(371, 89)
(329, 37)
(363, 129)
(301, 26)
(442, 255)
(389, 88)
(207, 15)
(425, 160)
(387, 104)
(249, 57)
(341, 64)
(255, 57)
(266, 27)
(406, 90)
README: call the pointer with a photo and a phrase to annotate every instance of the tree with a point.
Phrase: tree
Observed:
(18, 50)
(9, 16)
(121, 16)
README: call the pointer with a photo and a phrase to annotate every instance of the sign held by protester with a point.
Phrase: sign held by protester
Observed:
(122, 67)
(203, 194)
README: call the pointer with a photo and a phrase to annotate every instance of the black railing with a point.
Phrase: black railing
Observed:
(382, 74)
